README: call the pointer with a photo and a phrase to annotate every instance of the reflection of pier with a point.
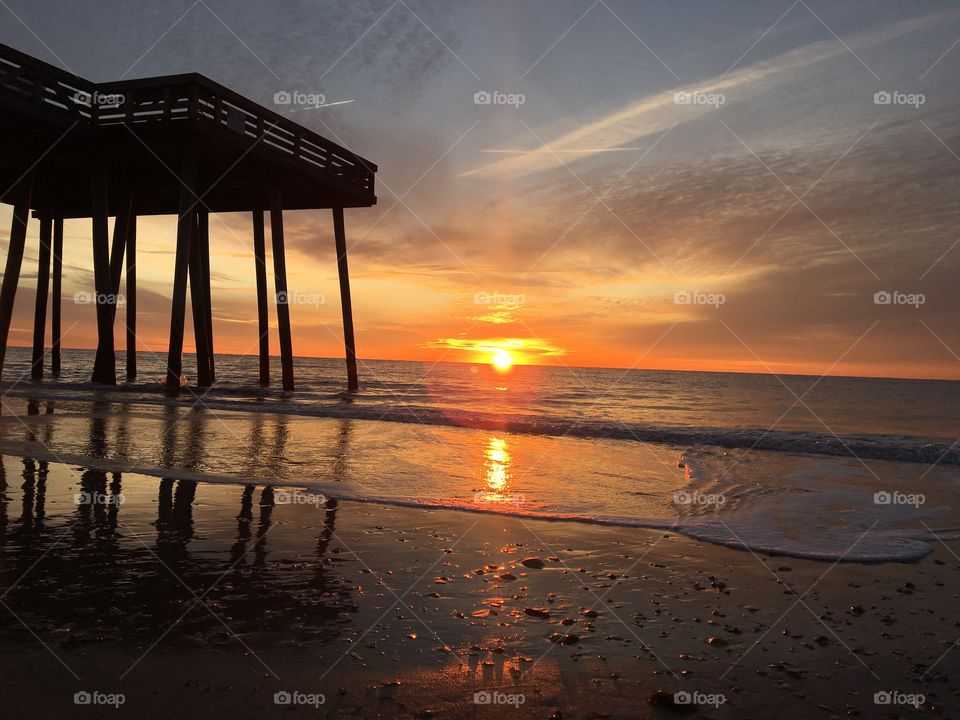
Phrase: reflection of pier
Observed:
(107, 557)
(183, 145)
(114, 553)
(267, 448)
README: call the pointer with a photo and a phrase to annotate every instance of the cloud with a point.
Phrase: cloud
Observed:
(657, 113)
(500, 315)
(522, 348)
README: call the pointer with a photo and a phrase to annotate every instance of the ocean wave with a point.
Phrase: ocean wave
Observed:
(341, 405)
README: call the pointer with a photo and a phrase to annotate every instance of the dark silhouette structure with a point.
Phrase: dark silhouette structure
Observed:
(179, 144)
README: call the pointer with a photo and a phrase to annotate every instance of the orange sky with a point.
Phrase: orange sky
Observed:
(401, 315)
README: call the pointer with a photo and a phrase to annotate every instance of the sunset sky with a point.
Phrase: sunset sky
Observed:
(734, 154)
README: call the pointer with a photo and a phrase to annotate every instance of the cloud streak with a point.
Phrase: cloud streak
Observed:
(657, 113)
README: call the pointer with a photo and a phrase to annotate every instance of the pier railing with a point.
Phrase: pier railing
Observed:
(47, 89)
(192, 99)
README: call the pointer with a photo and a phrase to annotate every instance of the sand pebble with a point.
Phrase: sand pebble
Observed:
(665, 700)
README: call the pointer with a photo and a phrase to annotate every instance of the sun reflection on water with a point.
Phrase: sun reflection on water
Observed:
(497, 475)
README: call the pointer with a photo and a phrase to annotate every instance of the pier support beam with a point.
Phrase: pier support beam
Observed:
(186, 227)
(263, 323)
(121, 228)
(204, 242)
(345, 302)
(55, 300)
(280, 286)
(43, 289)
(104, 368)
(198, 308)
(11, 271)
(132, 298)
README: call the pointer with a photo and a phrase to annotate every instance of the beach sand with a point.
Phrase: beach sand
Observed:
(190, 608)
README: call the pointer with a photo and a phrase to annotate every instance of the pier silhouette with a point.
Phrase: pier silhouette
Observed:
(178, 144)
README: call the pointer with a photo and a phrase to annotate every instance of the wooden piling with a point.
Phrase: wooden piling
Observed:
(11, 271)
(280, 287)
(346, 304)
(204, 243)
(104, 369)
(120, 228)
(56, 300)
(197, 302)
(185, 229)
(263, 323)
(118, 247)
(132, 298)
(43, 289)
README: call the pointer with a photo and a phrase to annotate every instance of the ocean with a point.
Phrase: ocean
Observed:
(837, 469)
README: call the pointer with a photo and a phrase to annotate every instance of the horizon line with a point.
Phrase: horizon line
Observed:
(554, 365)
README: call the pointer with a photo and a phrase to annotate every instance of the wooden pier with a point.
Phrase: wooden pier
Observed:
(174, 145)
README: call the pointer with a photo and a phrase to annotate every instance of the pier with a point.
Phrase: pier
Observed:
(174, 145)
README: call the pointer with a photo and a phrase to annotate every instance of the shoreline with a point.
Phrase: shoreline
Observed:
(332, 490)
(635, 485)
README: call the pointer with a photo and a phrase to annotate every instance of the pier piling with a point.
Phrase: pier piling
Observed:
(104, 368)
(56, 299)
(346, 304)
(131, 324)
(11, 270)
(280, 288)
(43, 289)
(186, 228)
(263, 322)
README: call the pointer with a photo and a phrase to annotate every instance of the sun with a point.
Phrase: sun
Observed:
(502, 360)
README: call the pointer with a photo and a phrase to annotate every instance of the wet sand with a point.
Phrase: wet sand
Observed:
(205, 600)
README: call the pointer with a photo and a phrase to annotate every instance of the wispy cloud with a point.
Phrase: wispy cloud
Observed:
(520, 347)
(656, 113)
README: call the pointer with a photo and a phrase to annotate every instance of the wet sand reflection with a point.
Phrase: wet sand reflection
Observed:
(98, 554)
